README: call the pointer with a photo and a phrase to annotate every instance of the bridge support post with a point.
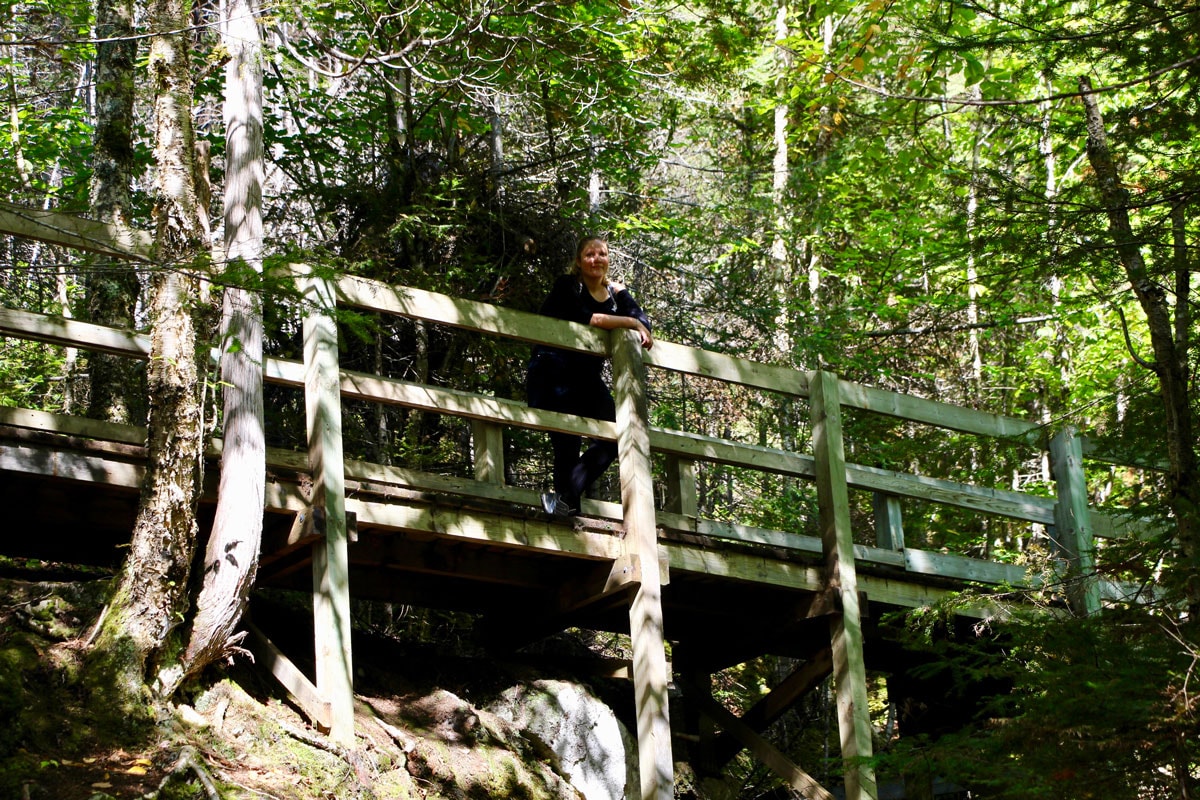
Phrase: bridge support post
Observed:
(655, 763)
(1072, 522)
(331, 566)
(681, 486)
(889, 525)
(489, 451)
(849, 666)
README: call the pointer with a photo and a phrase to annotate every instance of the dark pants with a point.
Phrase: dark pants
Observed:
(551, 386)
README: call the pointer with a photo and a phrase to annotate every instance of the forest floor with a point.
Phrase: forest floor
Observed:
(236, 734)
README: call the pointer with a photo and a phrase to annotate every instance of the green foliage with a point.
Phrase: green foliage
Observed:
(923, 220)
(1093, 703)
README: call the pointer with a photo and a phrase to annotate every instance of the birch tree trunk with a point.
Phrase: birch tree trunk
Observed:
(780, 265)
(150, 598)
(1170, 354)
(231, 556)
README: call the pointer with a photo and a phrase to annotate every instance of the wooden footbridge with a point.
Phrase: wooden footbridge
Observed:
(716, 592)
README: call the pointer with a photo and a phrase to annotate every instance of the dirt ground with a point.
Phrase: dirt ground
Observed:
(238, 736)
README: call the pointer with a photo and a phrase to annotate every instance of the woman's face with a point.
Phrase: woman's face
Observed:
(593, 259)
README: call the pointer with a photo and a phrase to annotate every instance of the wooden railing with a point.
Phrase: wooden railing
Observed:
(1073, 530)
(490, 415)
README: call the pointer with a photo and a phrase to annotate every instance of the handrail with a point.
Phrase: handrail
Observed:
(366, 294)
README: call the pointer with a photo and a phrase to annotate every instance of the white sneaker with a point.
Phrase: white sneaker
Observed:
(553, 504)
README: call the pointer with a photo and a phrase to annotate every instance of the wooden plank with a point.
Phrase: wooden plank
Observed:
(330, 562)
(621, 577)
(751, 567)
(903, 592)
(71, 466)
(1014, 505)
(473, 315)
(650, 677)
(302, 690)
(942, 415)
(601, 588)
(1117, 525)
(946, 565)
(399, 557)
(392, 391)
(49, 422)
(434, 307)
(1099, 451)
(730, 369)
(495, 529)
(722, 451)
(76, 232)
(73, 333)
(846, 635)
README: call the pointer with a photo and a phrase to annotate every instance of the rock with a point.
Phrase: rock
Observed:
(593, 748)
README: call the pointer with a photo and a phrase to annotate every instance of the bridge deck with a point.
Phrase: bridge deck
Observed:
(447, 543)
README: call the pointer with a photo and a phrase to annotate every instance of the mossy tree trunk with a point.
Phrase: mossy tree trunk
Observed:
(150, 598)
(111, 291)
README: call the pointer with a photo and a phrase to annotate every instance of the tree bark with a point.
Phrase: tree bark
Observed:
(231, 557)
(150, 598)
(1170, 361)
(111, 292)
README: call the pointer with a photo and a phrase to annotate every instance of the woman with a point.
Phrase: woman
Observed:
(561, 380)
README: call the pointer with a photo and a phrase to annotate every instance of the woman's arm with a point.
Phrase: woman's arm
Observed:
(610, 322)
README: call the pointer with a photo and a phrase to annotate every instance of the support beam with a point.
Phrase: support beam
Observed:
(778, 763)
(846, 634)
(1072, 532)
(331, 568)
(607, 586)
(650, 676)
(762, 714)
(271, 658)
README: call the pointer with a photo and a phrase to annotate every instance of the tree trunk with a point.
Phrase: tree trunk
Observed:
(780, 263)
(151, 598)
(111, 292)
(231, 557)
(1170, 361)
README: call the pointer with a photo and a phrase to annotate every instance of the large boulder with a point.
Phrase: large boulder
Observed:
(594, 750)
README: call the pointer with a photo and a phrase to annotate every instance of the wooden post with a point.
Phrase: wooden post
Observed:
(889, 525)
(1072, 521)
(331, 567)
(650, 678)
(489, 451)
(849, 666)
(681, 486)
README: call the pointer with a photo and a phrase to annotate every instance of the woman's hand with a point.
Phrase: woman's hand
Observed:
(644, 333)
